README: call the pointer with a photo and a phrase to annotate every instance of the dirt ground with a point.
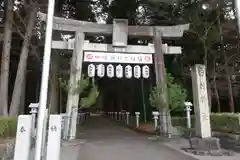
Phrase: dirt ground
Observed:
(146, 127)
(3, 143)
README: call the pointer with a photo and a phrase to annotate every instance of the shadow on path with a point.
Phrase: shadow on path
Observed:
(107, 140)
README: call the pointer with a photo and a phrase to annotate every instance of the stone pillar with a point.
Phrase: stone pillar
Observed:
(119, 116)
(137, 114)
(116, 115)
(127, 117)
(200, 99)
(165, 119)
(155, 117)
(203, 140)
(188, 115)
(75, 76)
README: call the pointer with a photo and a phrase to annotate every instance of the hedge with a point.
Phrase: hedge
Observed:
(222, 122)
(8, 126)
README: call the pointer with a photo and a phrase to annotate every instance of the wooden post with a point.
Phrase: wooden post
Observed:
(160, 79)
(75, 76)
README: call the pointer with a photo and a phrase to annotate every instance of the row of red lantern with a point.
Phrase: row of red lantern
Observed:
(119, 71)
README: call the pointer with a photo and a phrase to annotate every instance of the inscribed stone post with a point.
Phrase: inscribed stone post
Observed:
(23, 138)
(200, 99)
(54, 137)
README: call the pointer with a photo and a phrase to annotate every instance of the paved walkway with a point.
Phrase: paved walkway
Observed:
(106, 140)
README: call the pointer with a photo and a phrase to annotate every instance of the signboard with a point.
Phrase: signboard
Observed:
(111, 57)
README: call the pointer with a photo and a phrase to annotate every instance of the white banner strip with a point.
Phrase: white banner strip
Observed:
(106, 57)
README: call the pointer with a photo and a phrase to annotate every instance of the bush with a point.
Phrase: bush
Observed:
(222, 122)
(8, 126)
(181, 121)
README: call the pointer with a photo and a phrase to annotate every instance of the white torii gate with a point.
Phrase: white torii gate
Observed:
(120, 32)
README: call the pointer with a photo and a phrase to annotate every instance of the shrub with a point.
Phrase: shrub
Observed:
(226, 122)
(181, 121)
(8, 126)
(222, 122)
(176, 95)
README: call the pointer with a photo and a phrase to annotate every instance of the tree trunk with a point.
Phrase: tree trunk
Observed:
(230, 90)
(53, 103)
(226, 67)
(37, 91)
(6, 58)
(23, 95)
(22, 66)
(209, 91)
(143, 101)
(215, 87)
(54, 84)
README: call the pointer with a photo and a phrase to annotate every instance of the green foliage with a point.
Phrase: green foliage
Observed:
(82, 86)
(8, 127)
(64, 84)
(91, 99)
(222, 122)
(176, 95)
(225, 122)
(155, 97)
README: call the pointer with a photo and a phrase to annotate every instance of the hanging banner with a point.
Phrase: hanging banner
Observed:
(119, 71)
(137, 71)
(145, 71)
(91, 70)
(128, 71)
(100, 70)
(106, 57)
(110, 71)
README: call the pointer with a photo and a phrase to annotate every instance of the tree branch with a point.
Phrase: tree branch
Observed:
(21, 19)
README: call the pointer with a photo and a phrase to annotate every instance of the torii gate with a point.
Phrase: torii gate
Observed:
(120, 32)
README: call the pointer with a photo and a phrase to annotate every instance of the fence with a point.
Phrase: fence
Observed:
(81, 118)
(134, 121)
